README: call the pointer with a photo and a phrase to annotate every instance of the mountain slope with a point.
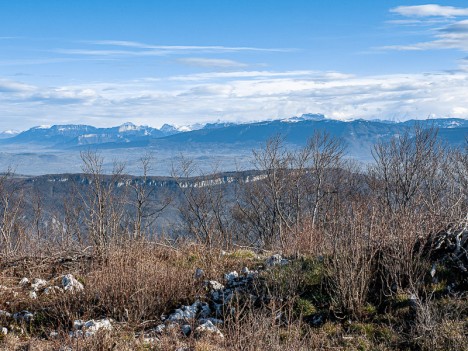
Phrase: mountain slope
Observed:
(358, 135)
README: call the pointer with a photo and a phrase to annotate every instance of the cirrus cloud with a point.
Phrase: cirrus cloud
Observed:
(430, 10)
(211, 62)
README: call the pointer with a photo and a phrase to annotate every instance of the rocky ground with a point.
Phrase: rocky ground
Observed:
(189, 300)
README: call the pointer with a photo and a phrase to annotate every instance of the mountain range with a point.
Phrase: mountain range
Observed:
(55, 149)
(357, 134)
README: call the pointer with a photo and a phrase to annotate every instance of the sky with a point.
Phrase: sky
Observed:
(193, 61)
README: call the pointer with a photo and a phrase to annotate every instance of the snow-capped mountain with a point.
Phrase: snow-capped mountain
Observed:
(77, 134)
(359, 134)
(8, 133)
(304, 117)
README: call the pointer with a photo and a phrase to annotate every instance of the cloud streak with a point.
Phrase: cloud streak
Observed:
(210, 62)
(191, 48)
(119, 48)
(430, 10)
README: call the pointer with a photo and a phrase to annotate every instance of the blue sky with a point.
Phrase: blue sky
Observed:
(187, 61)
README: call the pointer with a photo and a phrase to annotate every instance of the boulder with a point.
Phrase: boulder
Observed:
(213, 285)
(70, 284)
(185, 313)
(276, 260)
(186, 329)
(38, 284)
(89, 328)
(207, 328)
(231, 276)
(199, 273)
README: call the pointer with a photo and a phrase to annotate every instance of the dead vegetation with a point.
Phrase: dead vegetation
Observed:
(376, 259)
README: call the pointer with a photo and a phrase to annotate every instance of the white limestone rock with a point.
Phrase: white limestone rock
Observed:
(89, 328)
(70, 284)
(53, 290)
(231, 276)
(276, 260)
(5, 314)
(38, 284)
(208, 328)
(185, 313)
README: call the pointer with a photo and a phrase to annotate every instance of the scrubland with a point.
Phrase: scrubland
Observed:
(312, 252)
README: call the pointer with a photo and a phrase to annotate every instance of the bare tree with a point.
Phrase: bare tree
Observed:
(290, 189)
(103, 208)
(143, 202)
(11, 212)
(203, 206)
(404, 166)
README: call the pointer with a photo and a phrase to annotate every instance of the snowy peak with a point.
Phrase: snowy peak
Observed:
(128, 126)
(8, 133)
(64, 136)
(304, 117)
(170, 129)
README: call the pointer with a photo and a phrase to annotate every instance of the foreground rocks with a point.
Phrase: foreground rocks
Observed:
(90, 328)
(203, 318)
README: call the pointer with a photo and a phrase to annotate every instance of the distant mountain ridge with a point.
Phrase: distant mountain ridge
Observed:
(358, 134)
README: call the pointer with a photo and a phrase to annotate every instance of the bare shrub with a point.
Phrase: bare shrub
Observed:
(141, 282)
(12, 230)
(103, 208)
(353, 242)
(440, 325)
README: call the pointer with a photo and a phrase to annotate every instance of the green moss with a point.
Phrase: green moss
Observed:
(373, 332)
(331, 329)
(369, 309)
(304, 308)
(243, 254)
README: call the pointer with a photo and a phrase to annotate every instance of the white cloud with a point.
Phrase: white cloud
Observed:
(453, 35)
(430, 10)
(210, 62)
(237, 97)
(9, 86)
